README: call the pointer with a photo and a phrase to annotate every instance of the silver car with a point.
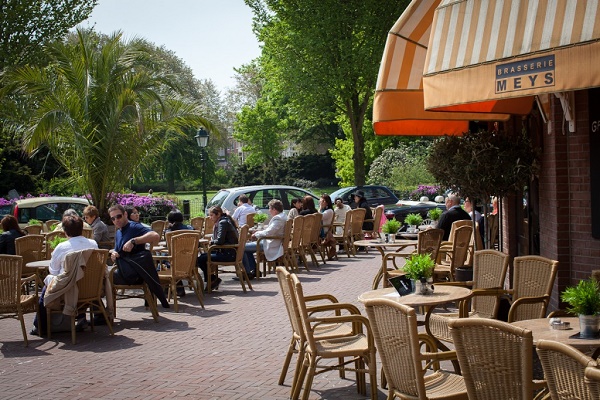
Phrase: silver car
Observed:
(259, 195)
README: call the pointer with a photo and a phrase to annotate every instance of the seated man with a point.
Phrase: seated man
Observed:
(72, 225)
(241, 212)
(272, 247)
(454, 212)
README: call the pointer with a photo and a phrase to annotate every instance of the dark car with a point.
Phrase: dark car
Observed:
(405, 207)
(375, 195)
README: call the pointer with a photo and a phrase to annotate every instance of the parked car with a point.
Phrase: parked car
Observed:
(5, 210)
(375, 195)
(45, 208)
(259, 195)
(405, 207)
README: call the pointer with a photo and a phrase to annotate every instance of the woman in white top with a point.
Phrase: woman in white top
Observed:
(295, 210)
(326, 208)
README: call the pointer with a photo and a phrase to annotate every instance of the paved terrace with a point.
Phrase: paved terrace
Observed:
(234, 349)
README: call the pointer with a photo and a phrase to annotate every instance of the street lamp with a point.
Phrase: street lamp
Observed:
(202, 140)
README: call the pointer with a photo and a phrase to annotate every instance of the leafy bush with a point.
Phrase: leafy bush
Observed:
(150, 208)
(429, 191)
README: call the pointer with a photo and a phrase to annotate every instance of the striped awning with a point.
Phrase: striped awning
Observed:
(399, 104)
(483, 51)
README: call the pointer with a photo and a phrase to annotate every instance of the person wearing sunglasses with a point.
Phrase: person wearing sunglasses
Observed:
(134, 261)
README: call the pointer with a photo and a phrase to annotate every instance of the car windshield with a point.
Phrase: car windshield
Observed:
(218, 198)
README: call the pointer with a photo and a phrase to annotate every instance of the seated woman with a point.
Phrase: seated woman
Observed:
(175, 219)
(326, 208)
(11, 229)
(361, 202)
(296, 208)
(308, 206)
(224, 232)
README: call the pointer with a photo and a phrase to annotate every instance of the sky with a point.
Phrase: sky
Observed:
(211, 36)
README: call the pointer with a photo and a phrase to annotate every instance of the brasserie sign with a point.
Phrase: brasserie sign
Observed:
(533, 73)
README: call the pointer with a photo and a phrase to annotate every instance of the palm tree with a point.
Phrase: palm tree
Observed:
(103, 108)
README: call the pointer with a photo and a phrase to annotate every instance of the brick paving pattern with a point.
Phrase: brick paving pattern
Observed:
(234, 349)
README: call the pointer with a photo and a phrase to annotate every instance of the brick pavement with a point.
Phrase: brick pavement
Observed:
(234, 349)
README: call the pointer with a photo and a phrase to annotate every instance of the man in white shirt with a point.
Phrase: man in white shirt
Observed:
(244, 208)
(72, 225)
(273, 247)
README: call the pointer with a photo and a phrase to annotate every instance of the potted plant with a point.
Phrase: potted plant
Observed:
(56, 241)
(419, 268)
(584, 300)
(413, 220)
(434, 215)
(34, 221)
(390, 227)
(260, 218)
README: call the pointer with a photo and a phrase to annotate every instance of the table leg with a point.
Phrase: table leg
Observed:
(379, 275)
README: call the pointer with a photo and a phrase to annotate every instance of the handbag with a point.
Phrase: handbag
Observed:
(131, 266)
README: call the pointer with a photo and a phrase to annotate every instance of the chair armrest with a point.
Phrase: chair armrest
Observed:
(527, 300)
(222, 246)
(358, 322)
(334, 307)
(323, 296)
(465, 284)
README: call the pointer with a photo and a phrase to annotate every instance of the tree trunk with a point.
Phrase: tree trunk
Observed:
(356, 109)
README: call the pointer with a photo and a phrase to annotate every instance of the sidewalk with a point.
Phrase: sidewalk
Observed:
(234, 349)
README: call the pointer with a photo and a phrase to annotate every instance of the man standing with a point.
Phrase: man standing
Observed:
(72, 225)
(244, 208)
(134, 261)
(453, 212)
(273, 247)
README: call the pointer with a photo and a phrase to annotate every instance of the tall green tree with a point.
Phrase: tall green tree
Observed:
(101, 108)
(324, 52)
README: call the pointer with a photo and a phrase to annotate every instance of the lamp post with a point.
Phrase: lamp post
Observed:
(202, 140)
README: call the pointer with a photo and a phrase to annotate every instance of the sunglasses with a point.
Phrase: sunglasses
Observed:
(118, 216)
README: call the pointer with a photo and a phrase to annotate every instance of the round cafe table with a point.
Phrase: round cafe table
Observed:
(382, 246)
(41, 265)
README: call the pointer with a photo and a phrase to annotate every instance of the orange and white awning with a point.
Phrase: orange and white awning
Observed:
(399, 102)
(488, 52)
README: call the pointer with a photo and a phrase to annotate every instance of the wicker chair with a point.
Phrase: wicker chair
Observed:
(294, 248)
(34, 229)
(283, 260)
(360, 347)
(327, 303)
(428, 241)
(14, 304)
(240, 271)
(315, 239)
(87, 233)
(496, 359)
(183, 254)
(345, 238)
(91, 289)
(357, 217)
(488, 277)
(31, 248)
(457, 255)
(50, 224)
(197, 223)
(446, 246)
(208, 227)
(592, 380)
(159, 227)
(377, 213)
(133, 291)
(306, 236)
(250, 219)
(49, 238)
(394, 326)
(564, 369)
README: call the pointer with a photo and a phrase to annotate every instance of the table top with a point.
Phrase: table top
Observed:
(541, 330)
(441, 295)
(381, 243)
(42, 264)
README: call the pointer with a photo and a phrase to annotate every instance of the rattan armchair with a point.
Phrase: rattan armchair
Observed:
(496, 359)
(197, 223)
(183, 254)
(327, 303)
(90, 290)
(240, 271)
(315, 239)
(14, 304)
(345, 237)
(445, 271)
(34, 229)
(49, 237)
(159, 227)
(307, 225)
(294, 248)
(359, 347)
(357, 218)
(50, 224)
(489, 272)
(31, 248)
(592, 380)
(283, 260)
(564, 369)
(394, 326)
(376, 220)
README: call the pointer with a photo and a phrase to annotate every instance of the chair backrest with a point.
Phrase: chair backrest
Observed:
(300, 304)
(87, 233)
(197, 223)
(297, 229)
(495, 358)
(492, 220)
(243, 238)
(357, 216)
(429, 241)
(592, 380)
(250, 219)
(533, 277)
(377, 213)
(208, 226)
(316, 227)
(50, 224)
(394, 328)
(564, 370)
(287, 292)
(33, 229)
(460, 247)
(183, 249)
(489, 271)
(90, 286)
(307, 230)
(158, 227)
(49, 238)
(10, 280)
(456, 225)
(30, 247)
(287, 233)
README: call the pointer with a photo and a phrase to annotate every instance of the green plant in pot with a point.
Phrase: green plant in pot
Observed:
(434, 214)
(390, 227)
(419, 268)
(33, 221)
(56, 241)
(260, 218)
(413, 220)
(584, 300)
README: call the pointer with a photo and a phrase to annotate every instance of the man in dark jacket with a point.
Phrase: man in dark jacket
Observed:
(453, 212)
